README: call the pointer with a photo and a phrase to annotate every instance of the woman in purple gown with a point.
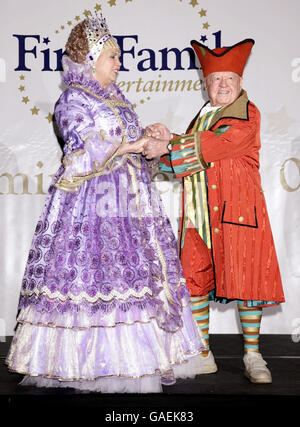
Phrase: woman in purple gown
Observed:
(103, 304)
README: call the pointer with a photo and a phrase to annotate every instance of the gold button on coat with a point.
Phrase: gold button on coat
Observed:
(216, 208)
(241, 218)
(216, 230)
(213, 186)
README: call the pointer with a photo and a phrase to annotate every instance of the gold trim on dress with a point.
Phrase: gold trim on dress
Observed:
(114, 102)
(84, 296)
(79, 328)
(156, 372)
(83, 328)
(76, 181)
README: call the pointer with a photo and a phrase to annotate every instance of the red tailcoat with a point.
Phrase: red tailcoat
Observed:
(242, 263)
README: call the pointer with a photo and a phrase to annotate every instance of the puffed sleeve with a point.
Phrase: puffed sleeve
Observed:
(87, 150)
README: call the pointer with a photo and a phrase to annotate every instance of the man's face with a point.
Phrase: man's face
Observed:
(223, 87)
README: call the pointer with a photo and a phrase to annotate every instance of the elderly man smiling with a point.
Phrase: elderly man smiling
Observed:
(226, 244)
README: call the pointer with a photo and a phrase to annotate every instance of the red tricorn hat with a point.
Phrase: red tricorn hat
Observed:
(232, 58)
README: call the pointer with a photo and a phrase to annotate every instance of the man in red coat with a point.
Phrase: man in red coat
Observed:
(226, 244)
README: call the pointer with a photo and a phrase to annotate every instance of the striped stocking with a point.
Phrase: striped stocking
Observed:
(250, 321)
(200, 312)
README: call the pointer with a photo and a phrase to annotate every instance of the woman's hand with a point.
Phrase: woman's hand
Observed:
(133, 147)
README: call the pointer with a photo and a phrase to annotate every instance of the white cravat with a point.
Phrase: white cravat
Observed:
(208, 108)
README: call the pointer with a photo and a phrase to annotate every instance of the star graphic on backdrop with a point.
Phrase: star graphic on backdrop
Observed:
(112, 3)
(69, 22)
(206, 25)
(25, 99)
(21, 88)
(62, 27)
(128, 1)
(22, 77)
(87, 13)
(56, 32)
(98, 7)
(46, 40)
(279, 122)
(194, 3)
(49, 117)
(77, 18)
(203, 39)
(202, 12)
(35, 110)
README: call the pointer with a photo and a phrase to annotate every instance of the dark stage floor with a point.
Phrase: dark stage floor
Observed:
(223, 391)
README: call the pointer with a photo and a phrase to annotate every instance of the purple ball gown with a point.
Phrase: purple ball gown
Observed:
(103, 303)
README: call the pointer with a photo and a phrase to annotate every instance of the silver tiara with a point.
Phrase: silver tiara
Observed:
(96, 28)
(98, 35)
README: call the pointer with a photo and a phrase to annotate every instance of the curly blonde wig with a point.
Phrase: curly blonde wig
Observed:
(77, 46)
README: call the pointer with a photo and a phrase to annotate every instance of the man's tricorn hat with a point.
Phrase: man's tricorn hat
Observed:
(232, 58)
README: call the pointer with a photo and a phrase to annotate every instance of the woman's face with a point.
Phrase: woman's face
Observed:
(107, 66)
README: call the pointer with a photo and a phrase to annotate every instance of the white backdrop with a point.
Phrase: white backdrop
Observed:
(164, 88)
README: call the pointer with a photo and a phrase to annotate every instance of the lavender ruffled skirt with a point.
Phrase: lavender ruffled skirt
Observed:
(103, 305)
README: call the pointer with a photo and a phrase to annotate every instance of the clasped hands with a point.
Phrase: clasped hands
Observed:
(153, 144)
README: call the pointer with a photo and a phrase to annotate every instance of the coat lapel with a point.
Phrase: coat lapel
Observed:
(237, 110)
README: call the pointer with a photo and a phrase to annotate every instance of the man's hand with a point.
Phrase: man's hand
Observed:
(155, 148)
(158, 130)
